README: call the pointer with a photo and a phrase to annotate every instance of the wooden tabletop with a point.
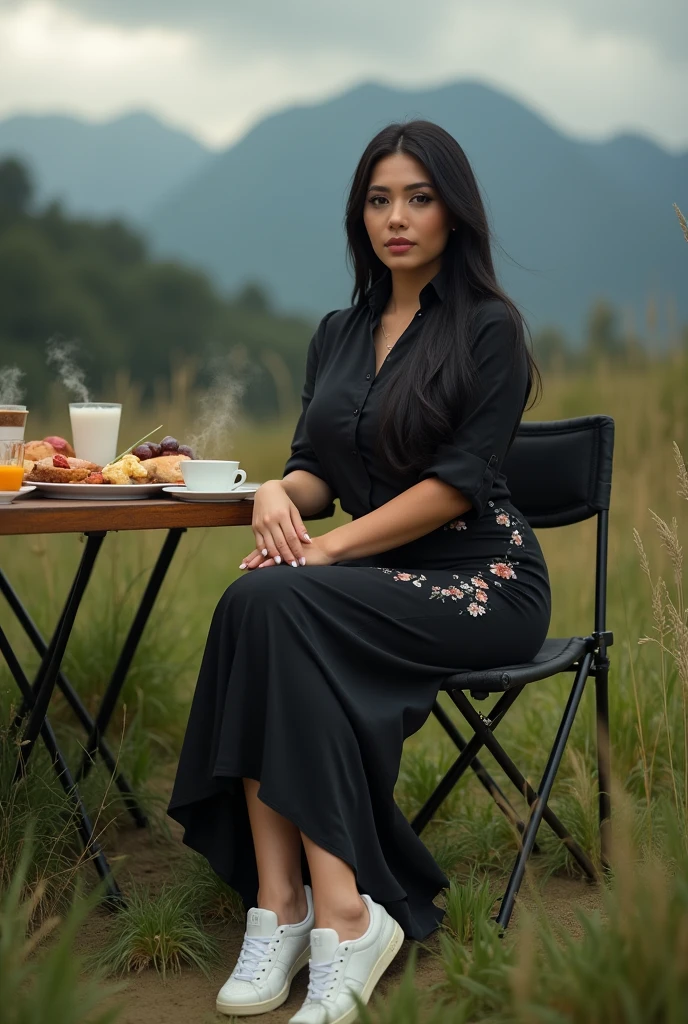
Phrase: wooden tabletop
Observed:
(48, 515)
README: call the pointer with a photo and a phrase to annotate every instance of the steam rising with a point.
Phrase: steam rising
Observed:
(218, 409)
(60, 354)
(11, 391)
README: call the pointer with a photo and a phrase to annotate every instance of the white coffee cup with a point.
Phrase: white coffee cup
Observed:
(212, 475)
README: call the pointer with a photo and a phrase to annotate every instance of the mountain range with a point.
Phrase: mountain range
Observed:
(574, 219)
(124, 167)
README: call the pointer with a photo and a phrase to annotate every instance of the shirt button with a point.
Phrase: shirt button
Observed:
(367, 376)
(419, 314)
(354, 452)
(356, 411)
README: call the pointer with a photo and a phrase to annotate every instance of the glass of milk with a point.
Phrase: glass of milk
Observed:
(95, 428)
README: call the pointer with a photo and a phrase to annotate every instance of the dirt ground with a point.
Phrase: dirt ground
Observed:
(189, 998)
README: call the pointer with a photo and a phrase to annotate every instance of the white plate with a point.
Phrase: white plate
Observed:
(7, 496)
(246, 491)
(100, 492)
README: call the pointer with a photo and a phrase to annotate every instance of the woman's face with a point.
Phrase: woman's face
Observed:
(402, 205)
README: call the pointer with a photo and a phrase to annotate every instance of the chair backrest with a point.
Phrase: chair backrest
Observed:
(560, 471)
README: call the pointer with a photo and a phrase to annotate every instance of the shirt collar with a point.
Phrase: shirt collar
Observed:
(380, 291)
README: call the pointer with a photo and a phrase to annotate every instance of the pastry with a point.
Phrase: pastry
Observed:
(165, 469)
(128, 470)
(59, 470)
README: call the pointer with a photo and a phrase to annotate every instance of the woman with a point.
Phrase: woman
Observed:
(315, 672)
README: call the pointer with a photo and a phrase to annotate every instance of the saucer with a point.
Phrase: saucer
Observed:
(182, 493)
(7, 496)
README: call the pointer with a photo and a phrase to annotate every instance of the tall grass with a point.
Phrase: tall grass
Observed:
(48, 861)
(40, 976)
(629, 965)
(471, 839)
(162, 930)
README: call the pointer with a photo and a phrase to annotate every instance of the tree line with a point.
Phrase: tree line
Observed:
(97, 283)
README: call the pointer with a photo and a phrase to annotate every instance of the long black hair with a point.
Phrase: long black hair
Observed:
(424, 397)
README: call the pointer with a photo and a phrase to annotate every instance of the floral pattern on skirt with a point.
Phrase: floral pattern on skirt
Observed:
(476, 592)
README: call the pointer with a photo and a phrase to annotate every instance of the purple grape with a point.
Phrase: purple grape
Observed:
(156, 449)
(169, 444)
(185, 450)
(142, 452)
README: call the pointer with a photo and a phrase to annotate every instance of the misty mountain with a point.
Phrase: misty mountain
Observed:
(120, 168)
(575, 220)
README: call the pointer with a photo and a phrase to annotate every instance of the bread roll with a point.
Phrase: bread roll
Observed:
(165, 469)
(37, 450)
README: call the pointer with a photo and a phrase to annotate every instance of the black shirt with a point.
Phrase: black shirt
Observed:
(337, 430)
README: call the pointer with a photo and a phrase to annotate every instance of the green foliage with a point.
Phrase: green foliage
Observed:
(35, 807)
(605, 341)
(40, 977)
(95, 282)
(477, 976)
(626, 964)
(16, 189)
(162, 930)
(407, 1004)
(214, 898)
(469, 903)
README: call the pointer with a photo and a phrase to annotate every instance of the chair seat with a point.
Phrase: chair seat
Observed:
(554, 656)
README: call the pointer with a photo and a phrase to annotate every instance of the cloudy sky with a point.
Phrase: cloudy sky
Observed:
(592, 67)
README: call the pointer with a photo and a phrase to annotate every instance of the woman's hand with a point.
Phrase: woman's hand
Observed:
(278, 528)
(315, 555)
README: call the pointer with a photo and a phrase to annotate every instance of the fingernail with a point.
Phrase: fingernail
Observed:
(243, 565)
(262, 565)
(295, 564)
(264, 552)
(302, 560)
(306, 537)
(277, 559)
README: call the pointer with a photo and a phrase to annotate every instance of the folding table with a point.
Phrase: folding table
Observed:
(94, 519)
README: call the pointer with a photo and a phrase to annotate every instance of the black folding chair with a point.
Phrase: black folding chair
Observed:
(559, 473)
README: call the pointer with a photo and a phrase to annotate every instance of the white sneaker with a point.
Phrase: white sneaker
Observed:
(339, 968)
(270, 957)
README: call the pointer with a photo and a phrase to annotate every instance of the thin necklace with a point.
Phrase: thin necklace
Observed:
(389, 347)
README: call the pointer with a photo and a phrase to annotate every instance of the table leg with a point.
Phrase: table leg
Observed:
(50, 666)
(74, 701)
(92, 847)
(119, 675)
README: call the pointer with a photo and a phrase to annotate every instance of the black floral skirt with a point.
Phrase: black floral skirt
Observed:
(312, 678)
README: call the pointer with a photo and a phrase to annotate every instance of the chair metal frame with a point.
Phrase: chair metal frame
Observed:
(584, 656)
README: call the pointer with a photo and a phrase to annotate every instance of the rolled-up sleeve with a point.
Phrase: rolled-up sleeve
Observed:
(302, 454)
(471, 459)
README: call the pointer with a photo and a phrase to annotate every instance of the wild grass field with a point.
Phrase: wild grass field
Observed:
(621, 953)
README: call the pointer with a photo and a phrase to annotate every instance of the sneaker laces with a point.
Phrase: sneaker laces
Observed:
(253, 952)
(321, 975)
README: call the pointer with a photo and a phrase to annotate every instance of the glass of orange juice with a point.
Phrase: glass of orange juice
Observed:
(11, 465)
